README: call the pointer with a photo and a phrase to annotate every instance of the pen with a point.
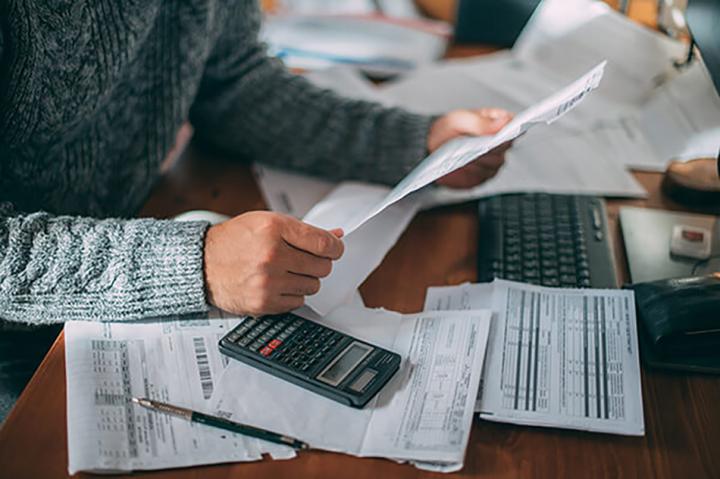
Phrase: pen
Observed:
(214, 421)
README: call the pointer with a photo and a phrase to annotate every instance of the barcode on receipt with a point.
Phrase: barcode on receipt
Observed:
(203, 363)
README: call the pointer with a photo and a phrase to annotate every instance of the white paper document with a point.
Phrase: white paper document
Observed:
(539, 162)
(365, 248)
(423, 414)
(566, 37)
(172, 361)
(681, 120)
(556, 357)
(288, 192)
(379, 46)
(459, 152)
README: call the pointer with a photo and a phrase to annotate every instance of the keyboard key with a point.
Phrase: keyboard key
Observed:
(538, 238)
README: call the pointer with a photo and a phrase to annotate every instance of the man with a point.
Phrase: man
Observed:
(91, 96)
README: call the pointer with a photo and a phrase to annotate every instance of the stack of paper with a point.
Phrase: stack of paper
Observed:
(377, 45)
(405, 9)
(646, 112)
(556, 357)
(423, 415)
(173, 361)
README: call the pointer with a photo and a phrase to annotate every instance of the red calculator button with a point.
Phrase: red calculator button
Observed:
(266, 351)
(274, 343)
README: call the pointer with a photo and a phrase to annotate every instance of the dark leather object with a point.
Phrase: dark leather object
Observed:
(694, 183)
(492, 22)
(680, 317)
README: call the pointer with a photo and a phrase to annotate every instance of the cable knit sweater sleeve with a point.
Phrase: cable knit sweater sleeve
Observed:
(248, 103)
(54, 269)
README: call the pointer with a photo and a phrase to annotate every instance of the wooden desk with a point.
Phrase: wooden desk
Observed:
(682, 416)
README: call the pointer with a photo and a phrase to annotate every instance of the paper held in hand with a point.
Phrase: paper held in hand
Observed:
(461, 151)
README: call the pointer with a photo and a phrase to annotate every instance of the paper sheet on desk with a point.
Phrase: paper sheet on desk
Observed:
(565, 163)
(173, 361)
(680, 121)
(459, 152)
(365, 248)
(566, 37)
(556, 357)
(423, 414)
(563, 39)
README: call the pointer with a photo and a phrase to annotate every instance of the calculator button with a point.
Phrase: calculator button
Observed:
(256, 345)
(245, 341)
(274, 343)
(266, 351)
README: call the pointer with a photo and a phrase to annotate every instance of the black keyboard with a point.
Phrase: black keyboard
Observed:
(550, 240)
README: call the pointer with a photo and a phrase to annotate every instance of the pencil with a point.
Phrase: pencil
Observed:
(221, 423)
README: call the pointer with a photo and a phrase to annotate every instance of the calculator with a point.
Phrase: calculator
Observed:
(312, 356)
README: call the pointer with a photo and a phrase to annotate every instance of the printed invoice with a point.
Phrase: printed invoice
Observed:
(556, 357)
(423, 414)
(172, 361)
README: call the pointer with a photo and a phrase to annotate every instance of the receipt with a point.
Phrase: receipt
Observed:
(172, 361)
(459, 152)
(423, 414)
(556, 357)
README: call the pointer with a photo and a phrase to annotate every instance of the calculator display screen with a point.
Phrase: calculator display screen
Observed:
(346, 362)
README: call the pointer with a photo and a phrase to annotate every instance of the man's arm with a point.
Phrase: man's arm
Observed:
(59, 268)
(249, 104)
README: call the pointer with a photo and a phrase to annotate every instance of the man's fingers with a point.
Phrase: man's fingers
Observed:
(466, 178)
(502, 148)
(308, 264)
(299, 285)
(313, 240)
(494, 119)
(489, 162)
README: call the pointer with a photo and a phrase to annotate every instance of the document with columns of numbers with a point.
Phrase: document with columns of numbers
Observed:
(423, 415)
(556, 357)
(172, 361)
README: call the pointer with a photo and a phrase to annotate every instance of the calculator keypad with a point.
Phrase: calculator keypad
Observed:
(293, 342)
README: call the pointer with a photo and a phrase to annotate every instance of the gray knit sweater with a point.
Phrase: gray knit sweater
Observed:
(91, 97)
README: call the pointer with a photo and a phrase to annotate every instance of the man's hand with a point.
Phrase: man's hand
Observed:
(266, 263)
(486, 121)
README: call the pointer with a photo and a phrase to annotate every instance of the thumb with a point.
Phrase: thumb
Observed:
(313, 240)
(489, 121)
(338, 232)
